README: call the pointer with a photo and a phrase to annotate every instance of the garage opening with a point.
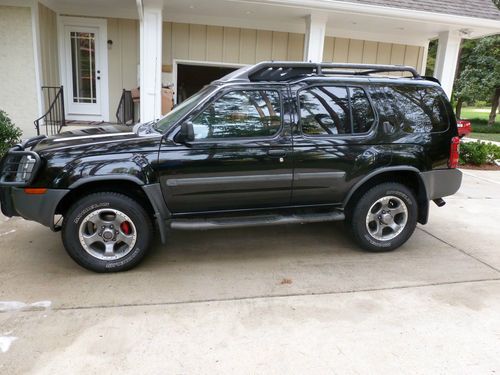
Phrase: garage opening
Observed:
(192, 78)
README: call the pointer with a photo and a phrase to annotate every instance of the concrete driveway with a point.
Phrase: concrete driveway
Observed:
(293, 299)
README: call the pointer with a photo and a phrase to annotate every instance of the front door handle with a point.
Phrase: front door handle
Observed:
(277, 152)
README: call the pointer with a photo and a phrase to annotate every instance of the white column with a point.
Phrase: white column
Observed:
(315, 37)
(447, 59)
(150, 16)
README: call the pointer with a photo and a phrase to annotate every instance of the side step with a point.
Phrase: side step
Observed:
(253, 221)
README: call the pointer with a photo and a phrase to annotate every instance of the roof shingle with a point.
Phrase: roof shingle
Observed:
(467, 8)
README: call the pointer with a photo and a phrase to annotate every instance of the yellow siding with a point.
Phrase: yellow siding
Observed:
(369, 52)
(48, 46)
(228, 44)
(123, 59)
(17, 74)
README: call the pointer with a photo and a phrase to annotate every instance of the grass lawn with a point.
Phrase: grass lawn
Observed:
(485, 136)
(479, 120)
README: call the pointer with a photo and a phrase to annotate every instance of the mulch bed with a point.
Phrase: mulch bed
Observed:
(484, 167)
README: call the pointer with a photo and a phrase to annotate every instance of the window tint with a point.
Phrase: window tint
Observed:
(421, 109)
(244, 113)
(362, 112)
(324, 110)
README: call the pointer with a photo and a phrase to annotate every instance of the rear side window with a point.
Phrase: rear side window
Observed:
(420, 109)
(334, 110)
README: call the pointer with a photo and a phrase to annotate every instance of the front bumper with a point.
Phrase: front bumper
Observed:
(36, 207)
(441, 182)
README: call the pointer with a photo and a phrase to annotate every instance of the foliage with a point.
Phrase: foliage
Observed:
(481, 126)
(478, 153)
(431, 57)
(9, 133)
(479, 69)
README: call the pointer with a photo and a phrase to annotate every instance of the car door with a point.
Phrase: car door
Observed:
(240, 157)
(336, 141)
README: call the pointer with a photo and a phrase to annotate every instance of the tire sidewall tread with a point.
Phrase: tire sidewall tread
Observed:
(80, 209)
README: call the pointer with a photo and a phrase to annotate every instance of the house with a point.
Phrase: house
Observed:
(97, 48)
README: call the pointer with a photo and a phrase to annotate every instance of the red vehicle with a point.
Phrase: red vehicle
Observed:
(464, 127)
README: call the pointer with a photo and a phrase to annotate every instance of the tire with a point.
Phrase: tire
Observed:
(384, 218)
(107, 232)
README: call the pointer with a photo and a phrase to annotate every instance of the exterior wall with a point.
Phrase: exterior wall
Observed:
(123, 59)
(228, 44)
(47, 20)
(18, 96)
(344, 50)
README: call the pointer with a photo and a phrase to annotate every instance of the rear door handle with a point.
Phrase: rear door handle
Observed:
(276, 152)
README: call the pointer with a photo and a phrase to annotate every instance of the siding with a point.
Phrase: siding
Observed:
(123, 59)
(48, 46)
(362, 51)
(17, 74)
(228, 44)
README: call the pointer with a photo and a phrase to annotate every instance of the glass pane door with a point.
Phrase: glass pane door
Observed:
(83, 67)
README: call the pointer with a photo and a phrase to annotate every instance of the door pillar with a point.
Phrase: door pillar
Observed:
(150, 40)
(447, 59)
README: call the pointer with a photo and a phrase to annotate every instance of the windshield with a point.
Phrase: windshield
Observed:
(181, 110)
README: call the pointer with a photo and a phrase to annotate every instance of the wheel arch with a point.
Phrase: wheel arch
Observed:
(406, 175)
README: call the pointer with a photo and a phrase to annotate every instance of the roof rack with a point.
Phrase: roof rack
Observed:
(284, 70)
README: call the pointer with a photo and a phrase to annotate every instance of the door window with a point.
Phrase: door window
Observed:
(240, 113)
(83, 67)
(331, 110)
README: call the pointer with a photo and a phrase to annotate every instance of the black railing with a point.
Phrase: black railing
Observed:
(125, 111)
(54, 118)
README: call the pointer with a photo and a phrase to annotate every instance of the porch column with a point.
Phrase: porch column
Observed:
(150, 17)
(447, 59)
(315, 37)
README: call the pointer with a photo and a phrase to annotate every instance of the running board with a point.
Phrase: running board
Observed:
(253, 221)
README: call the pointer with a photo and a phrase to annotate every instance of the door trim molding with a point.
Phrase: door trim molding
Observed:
(102, 23)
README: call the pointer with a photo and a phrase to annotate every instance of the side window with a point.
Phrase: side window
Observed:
(324, 111)
(362, 112)
(240, 113)
(421, 109)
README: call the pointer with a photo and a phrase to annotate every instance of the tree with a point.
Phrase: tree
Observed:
(479, 77)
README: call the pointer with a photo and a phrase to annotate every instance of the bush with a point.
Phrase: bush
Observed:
(481, 126)
(478, 153)
(9, 133)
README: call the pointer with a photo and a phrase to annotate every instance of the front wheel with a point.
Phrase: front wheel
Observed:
(107, 232)
(384, 218)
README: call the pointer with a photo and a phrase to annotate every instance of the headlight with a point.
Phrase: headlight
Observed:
(25, 168)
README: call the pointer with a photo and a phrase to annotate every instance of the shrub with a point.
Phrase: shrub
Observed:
(478, 153)
(9, 133)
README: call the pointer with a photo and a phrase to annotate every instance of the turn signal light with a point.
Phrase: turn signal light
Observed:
(454, 152)
(36, 191)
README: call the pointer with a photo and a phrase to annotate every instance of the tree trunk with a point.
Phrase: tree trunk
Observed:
(458, 108)
(494, 105)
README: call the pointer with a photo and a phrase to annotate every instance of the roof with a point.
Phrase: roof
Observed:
(466, 8)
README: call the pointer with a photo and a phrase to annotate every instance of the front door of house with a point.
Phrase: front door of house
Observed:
(84, 56)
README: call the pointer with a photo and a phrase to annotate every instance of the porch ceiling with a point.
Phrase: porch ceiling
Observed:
(344, 19)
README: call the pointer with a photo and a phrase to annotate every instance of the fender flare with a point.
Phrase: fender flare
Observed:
(422, 199)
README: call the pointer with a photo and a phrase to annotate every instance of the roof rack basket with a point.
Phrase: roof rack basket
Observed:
(283, 70)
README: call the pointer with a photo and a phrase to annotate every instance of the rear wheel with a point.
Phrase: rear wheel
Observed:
(384, 218)
(107, 232)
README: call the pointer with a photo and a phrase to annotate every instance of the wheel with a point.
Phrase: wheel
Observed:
(384, 218)
(107, 232)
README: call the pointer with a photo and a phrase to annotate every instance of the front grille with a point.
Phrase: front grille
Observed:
(19, 167)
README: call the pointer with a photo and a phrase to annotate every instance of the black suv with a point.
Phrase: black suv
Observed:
(273, 143)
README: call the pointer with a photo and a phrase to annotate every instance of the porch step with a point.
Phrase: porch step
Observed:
(255, 220)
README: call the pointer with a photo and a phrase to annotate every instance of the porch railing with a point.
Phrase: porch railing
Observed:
(54, 118)
(125, 111)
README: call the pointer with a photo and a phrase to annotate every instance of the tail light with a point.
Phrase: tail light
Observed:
(454, 152)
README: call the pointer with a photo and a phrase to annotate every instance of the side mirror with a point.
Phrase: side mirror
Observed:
(186, 134)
